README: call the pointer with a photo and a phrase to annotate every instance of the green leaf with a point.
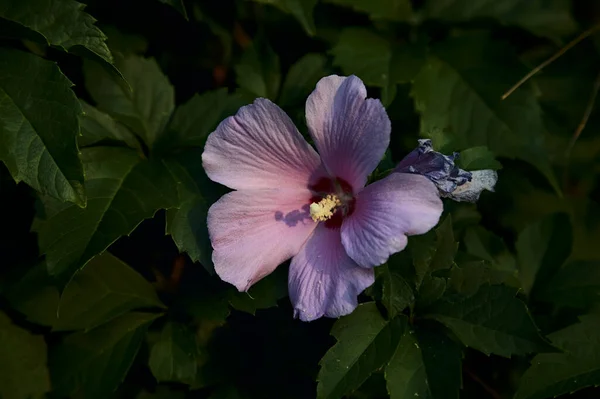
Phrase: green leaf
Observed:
(62, 24)
(23, 358)
(302, 78)
(492, 320)
(173, 356)
(263, 294)
(363, 53)
(187, 223)
(432, 254)
(92, 364)
(576, 285)
(39, 126)
(396, 294)
(177, 5)
(258, 72)
(97, 126)
(394, 10)
(445, 247)
(485, 245)
(106, 288)
(550, 18)
(145, 109)
(193, 121)
(123, 190)
(467, 279)
(426, 365)
(555, 374)
(302, 10)
(34, 295)
(365, 342)
(478, 158)
(542, 248)
(458, 94)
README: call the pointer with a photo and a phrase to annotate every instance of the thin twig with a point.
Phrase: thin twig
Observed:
(488, 389)
(586, 116)
(551, 59)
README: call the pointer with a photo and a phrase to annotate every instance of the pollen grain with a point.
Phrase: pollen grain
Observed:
(323, 210)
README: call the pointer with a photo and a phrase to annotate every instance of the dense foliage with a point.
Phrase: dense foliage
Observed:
(106, 283)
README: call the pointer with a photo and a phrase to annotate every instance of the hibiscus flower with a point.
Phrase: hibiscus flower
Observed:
(291, 202)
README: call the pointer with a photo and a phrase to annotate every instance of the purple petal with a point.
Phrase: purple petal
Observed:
(437, 167)
(254, 231)
(323, 280)
(350, 131)
(260, 147)
(385, 213)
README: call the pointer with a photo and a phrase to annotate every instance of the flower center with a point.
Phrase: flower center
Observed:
(323, 210)
(333, 200)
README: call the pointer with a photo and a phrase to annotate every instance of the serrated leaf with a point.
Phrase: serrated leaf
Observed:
(433, 251)
(177, 5)
(425, 365)
(432, 288)
(577, 285)
(466, 279)
(555, 374)
(478, 158)
(302, 10)
(492, 320)
(258, 72)
(123, 190)
(62, 24)
(485, 245)
(550, 18)
(187, 223)
(396, 294)
(146, 108)
(97, 126)
(542, 248)
(445, 246)
(92, 364)
(39, 126)
(24, 374)
(458, 95)
(173, 356)
(106, 288)
(193, 121)
(394, 10)
(263, 294)
(302, 78)
(365, 342)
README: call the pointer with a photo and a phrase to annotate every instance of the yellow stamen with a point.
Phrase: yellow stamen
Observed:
(323, 210)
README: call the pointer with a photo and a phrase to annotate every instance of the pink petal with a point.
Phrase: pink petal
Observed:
(385, 213)
(350, 131)
(323, 280)
(254, 231)
(259, 147)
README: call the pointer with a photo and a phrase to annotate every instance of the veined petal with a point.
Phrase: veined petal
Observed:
(385, 213)
(254, 231)
(323, 280)
(260, 147)
(350, 131)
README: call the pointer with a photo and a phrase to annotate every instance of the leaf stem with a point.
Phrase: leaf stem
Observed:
(560, 52)
(488, 389)
(586, 115)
